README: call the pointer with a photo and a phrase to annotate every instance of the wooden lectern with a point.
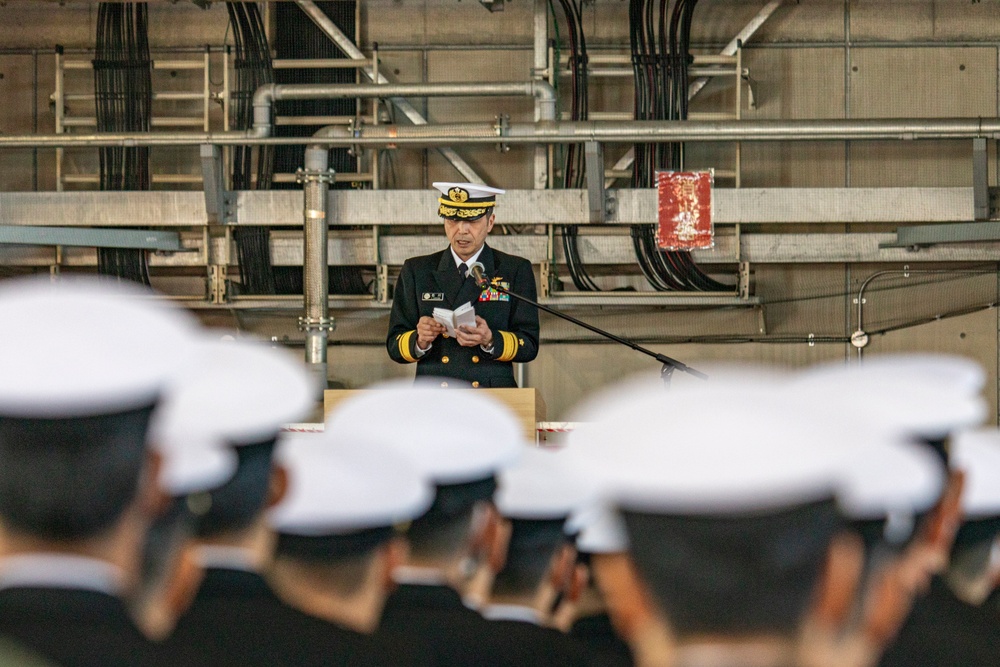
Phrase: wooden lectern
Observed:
(526, 404)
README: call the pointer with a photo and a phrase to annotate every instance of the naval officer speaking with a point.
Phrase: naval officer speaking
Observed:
(505, 330)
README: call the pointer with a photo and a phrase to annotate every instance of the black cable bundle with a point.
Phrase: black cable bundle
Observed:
(123, 92)
(574, 169)
(661, 55)
(298, 37)
(253, 167)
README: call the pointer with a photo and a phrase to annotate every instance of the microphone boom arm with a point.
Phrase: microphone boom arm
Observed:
(669, 363)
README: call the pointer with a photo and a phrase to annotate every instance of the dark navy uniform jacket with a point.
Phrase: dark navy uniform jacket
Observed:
(944, 631)
(75, 628)
(433, 281)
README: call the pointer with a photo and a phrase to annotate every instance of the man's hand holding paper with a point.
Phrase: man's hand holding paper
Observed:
(477, 335)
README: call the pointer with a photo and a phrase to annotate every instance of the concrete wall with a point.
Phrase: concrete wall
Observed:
(812, 59)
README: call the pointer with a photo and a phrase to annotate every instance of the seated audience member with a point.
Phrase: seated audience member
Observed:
(600, 540)
(737, 545)
(240, 394)
(338, 544)
(78, 483)
(951, 624)
(459, 439)
(535, 498)
(169, 577)
(925, 399)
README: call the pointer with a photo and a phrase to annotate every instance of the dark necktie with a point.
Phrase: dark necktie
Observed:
(463, 270)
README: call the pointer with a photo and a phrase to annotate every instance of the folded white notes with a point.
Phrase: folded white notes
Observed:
(464, 315)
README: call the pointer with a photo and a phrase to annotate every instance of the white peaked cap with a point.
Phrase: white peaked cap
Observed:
(475, 190)
(452, 435)
(599, 529)
(889, 479)
(725, 381)
(195, 468)
(541, 485)
(85, 347)
(977, 453)
(898, 398)
(234, 391)
(953, 371)
(676, 455)
(338, 488)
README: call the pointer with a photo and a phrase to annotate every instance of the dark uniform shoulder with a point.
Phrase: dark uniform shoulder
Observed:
(506, 258)
(425, 262)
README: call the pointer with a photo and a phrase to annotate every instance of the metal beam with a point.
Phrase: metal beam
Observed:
(602, 249)
(417, 207)
(351, 50)
(139, 239)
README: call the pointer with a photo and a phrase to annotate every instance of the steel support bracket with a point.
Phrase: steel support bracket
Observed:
(994, 203)
(317, 324)
(980, 179)
(594, 160)
(545, 277)
(303, 176)
(382, 283)
(501, 125)
(219, 202)
(743, 286)
(218, 284)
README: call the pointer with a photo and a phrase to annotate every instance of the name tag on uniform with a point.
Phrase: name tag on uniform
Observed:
(432, 296)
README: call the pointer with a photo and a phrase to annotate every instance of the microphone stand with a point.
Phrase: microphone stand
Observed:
(669, 364)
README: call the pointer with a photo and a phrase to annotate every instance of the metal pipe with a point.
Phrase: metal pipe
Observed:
(547, 132)
(316, 323)
(351, 50)
(265, 96)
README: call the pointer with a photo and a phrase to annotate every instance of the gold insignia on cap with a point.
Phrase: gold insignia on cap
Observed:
(459, 195)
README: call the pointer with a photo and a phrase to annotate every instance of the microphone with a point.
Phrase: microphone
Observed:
(477, 269)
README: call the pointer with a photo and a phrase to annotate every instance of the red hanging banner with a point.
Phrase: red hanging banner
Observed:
(685, 210)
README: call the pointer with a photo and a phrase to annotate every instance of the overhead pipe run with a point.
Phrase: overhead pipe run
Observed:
(548, 132)
(265, 96)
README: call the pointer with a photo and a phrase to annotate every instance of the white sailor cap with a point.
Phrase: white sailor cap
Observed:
(953, 371)
(599, 529)
(757, 458)
(337, 488)
(452, 436)
(542, 485)
(465, 201)
(84, 347)
(236, 392)
(977, 453)
(887, 479)
(194, 467)
(725, 382)
(900, 394)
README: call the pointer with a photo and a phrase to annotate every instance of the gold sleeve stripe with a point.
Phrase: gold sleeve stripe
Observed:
(404, 346)
(467, 204)
(509, 346)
